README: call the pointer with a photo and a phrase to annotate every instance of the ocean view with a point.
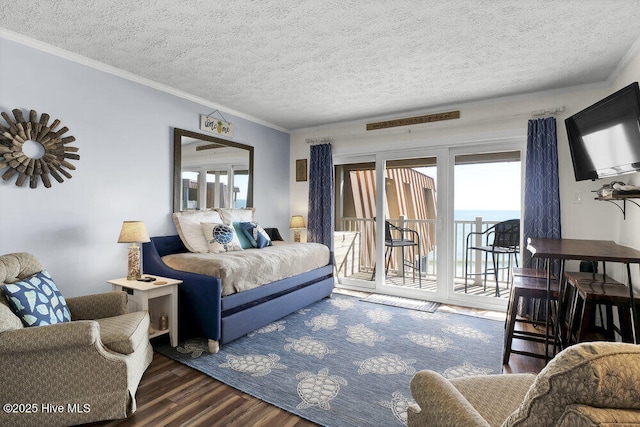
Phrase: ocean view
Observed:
(487, 215)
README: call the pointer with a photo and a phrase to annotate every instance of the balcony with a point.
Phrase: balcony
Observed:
(354, 247)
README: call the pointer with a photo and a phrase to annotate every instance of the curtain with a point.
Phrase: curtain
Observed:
(541, 184)
(321, 196)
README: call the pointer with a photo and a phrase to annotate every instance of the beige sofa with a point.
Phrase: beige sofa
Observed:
(588, 384)
(75, 372)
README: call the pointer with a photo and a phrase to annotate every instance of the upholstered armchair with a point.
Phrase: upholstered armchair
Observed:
(588, 384)
(78, 371)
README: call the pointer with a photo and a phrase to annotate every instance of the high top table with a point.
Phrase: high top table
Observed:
(584, 250)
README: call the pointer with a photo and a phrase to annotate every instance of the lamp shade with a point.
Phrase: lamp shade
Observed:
(133, 232)
(297, 221)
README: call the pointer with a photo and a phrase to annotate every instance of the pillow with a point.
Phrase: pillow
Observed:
(220, 237)
(244, 241)
(240, 215)
(37, 301)
(256, 234)
(190, 231)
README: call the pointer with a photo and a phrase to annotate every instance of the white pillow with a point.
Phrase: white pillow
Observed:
(220, 237)
(236, 215)
(190, 231)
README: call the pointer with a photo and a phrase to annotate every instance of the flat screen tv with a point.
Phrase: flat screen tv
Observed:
(605, 138)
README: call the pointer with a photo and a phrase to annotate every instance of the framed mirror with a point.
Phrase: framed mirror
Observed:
(210, 172)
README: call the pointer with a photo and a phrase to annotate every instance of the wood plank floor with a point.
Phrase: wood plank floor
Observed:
(172, 394)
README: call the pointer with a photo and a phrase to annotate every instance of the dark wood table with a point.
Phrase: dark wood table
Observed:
(588, 250)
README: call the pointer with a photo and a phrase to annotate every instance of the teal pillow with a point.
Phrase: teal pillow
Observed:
(245, 243)
(37, 301)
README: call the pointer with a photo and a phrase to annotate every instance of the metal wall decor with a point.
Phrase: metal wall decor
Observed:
(56, 151)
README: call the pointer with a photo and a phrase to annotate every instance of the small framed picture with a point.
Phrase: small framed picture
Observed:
(301, 170)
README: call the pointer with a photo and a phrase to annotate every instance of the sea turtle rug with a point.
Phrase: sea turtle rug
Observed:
(344, 362)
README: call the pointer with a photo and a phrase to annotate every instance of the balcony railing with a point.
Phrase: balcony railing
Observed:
(355, 249)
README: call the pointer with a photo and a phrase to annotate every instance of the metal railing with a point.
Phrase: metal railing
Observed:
(357, 253)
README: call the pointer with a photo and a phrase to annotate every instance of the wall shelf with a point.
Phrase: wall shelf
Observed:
(623, 198)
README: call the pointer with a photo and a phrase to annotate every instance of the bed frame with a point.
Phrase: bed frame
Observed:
(203, 312)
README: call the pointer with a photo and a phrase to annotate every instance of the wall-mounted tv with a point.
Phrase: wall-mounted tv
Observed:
(605, 138)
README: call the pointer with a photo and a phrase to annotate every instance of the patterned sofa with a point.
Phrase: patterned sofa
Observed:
(588, 384)
(75, 372)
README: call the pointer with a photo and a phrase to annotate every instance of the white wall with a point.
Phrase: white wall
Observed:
(124, 132)
(500, 120)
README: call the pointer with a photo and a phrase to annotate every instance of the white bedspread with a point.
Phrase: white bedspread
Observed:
(243, 270)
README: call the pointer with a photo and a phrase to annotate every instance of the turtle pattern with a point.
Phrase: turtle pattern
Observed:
(323, 321)
(196, 347)
(360, 334)
(277, 326)
(466, 332)
(341, 303)
(318, 389)
(387, 364)
(308, 346)
(434, 342)
(258, 365)
(466, 370)
(398, 405)
(379, 315)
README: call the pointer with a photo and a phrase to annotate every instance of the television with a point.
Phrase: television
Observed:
(604, 138)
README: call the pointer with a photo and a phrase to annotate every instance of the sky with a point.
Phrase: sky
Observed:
(485, 186)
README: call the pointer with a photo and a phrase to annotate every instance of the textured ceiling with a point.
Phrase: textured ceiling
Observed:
(302, 63)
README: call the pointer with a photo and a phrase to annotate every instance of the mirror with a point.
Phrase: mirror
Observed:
(210, 172)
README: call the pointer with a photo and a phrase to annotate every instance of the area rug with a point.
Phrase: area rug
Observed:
(342, 362)
(413, 304)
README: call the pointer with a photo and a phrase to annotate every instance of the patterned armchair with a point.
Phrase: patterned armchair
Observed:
(588, 384)
(75, 372)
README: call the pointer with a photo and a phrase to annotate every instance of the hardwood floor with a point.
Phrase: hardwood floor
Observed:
(172, 394)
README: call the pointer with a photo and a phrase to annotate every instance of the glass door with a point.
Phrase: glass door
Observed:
(487, 207)
(405, 257)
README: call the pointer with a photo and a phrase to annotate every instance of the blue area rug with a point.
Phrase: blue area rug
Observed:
(343, 362)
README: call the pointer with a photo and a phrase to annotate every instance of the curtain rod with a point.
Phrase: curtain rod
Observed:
(550, 111)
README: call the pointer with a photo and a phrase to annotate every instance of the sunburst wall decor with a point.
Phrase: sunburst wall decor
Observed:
(53, 162)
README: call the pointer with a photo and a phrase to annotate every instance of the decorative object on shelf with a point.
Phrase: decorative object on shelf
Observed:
(133, 232)
(47, 154)
(301, 170)
(163, 322)
(296, 224)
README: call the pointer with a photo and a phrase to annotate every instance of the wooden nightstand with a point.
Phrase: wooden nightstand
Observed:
(159, 296)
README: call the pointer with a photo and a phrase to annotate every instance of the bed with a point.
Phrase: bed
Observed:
(214, 306)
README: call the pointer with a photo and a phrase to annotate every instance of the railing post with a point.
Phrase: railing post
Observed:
(478, 254)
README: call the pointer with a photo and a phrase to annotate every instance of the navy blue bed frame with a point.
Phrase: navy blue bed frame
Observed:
(204, 312)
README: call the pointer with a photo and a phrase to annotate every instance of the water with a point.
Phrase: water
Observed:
(487, 215)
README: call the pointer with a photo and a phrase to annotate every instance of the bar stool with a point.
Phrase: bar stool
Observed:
(593, 292)
(532, 285)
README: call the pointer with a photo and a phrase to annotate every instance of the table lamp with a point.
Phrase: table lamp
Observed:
(133, 232)
(296, 224)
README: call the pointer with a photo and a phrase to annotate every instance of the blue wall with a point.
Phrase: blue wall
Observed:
(124, 132)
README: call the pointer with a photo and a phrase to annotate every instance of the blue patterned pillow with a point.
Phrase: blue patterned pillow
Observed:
(37, 301)
(256, 234)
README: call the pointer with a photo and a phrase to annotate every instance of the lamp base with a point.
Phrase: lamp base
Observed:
(296, 235)
(133, 264)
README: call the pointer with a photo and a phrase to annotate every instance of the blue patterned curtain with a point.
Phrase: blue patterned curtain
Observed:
(321, 212)
(541, 184)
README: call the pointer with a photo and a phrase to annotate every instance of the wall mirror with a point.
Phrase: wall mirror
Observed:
(210, 172)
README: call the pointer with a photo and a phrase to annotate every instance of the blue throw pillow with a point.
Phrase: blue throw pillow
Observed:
(245, 243)
(256, 234)
(37, 301)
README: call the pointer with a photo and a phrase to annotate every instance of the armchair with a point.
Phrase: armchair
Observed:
(591, 383)
(76, 372)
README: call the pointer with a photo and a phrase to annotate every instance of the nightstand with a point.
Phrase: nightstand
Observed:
(159, 296)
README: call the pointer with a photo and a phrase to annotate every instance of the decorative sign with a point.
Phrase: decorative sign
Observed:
(414, 120)
(214, 125)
